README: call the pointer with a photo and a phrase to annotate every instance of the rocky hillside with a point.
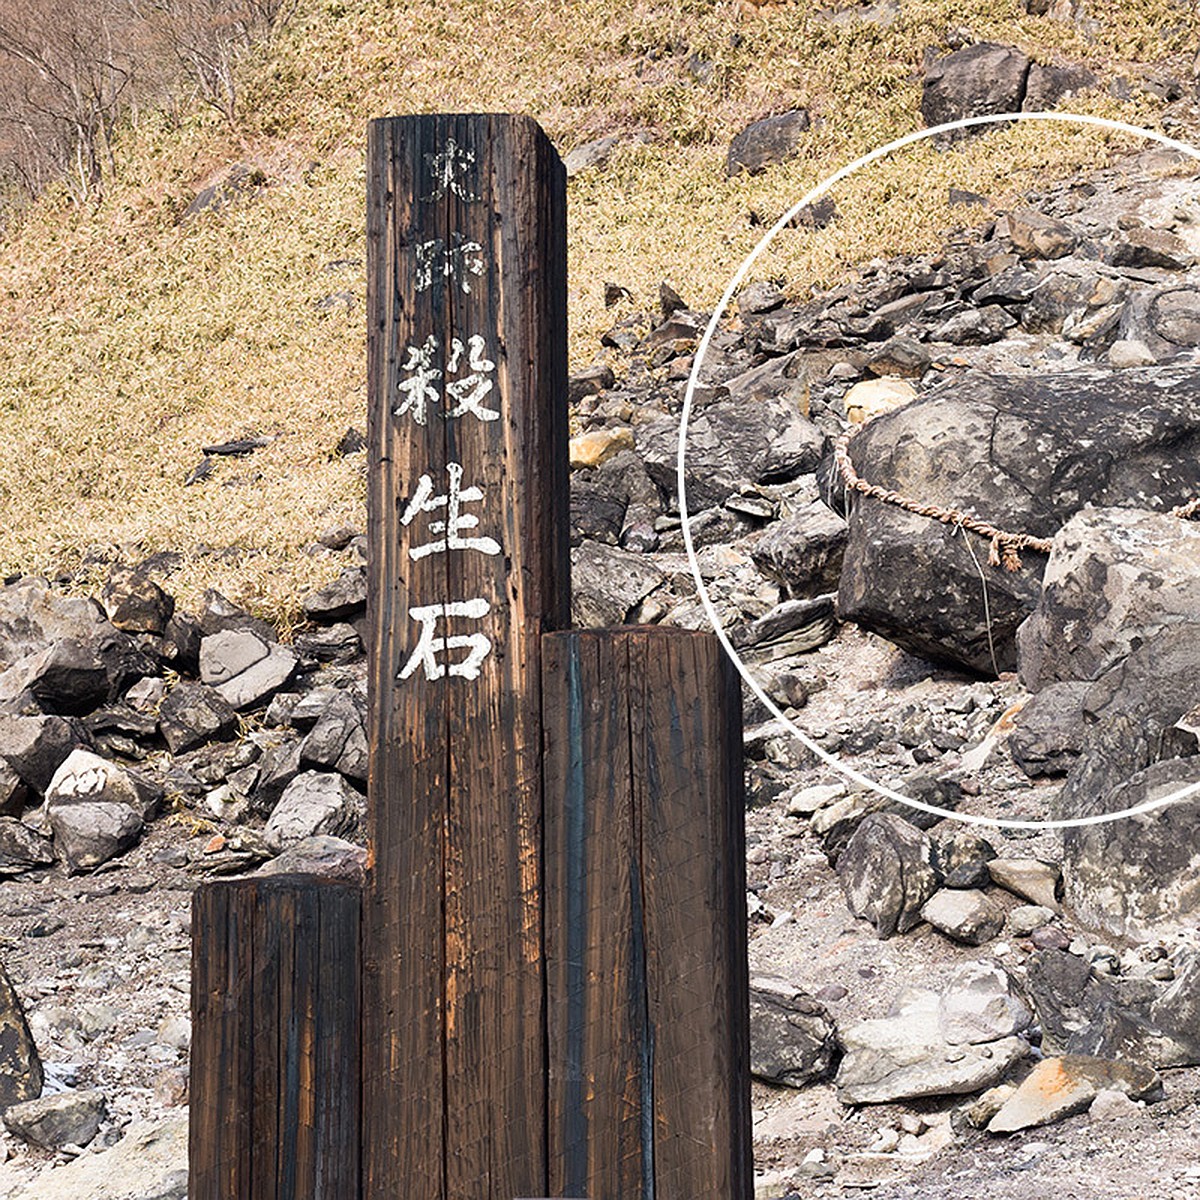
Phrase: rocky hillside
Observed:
(943, 507)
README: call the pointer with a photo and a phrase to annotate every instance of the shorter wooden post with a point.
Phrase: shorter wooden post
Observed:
(275, 1040)
(647, 990)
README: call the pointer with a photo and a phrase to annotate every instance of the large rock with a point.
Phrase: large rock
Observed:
(792, 1037)
(149, 1163)
(1136, 716)
(904, 1056)
(1050, 730)
(61, 1119)
(313, 803)
(243, 668)
(135, 603)
(34, 619)
(1139, 876)
(338, 741)
(980, 1004)
(35, 747)
(976, 81)
(730, 444)
(20, 1066)
(886, 872)
(1060, 1087)
(96, 809)
(1024, 454)
(803, 551)
(608, 583)
(1082, 1011)
(64, 677)
(767, 142)
(1116, 578)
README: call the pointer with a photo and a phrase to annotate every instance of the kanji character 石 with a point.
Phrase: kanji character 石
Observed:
(456, 520)
(429, 646)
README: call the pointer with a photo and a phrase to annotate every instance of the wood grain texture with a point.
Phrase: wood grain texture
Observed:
(274, 1105)
(454, 1081)
(647, 984)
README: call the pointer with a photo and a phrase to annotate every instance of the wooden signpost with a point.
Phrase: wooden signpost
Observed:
(551, 964)
(467, 521)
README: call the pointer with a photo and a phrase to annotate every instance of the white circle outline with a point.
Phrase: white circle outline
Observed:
(702, 349)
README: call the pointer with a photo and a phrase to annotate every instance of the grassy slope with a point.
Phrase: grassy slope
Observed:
(130, 340)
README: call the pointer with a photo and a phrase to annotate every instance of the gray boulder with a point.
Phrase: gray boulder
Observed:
(1116, 578)
(313, 803)
(243, 668)
(729, 445)
(793, 1039)
(886, 872)
(96, 809)
(338, 741)
(767, 142)
(803, 552)
(904, 1056)
(974, 82)
(193, 714)
(1025, 454)
(61, 1119)
(1050, 730)
(20, 1066)
(331, 857)
(964, 915)
(35, 747)
(979, 1004)
(1136, 876)
(608, 583)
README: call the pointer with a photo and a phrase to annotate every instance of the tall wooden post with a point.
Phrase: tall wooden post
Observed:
(647, 989)
(469, 564)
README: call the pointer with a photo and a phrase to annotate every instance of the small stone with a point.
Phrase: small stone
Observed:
(135, 603)
(766, 142)
(806, 801)
(1030, 878)
(966, 915)
(900, 356)
(1126, 352)
(193, 714)
(337, 643)
(1035, 235)
(331, 857)
(590, 450)
(52, 1122)
(979, 1113)
(1111, 1104)
(1026, 918)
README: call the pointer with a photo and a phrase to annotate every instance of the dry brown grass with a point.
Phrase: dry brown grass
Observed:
(129, 340)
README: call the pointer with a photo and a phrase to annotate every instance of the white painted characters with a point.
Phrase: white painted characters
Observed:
(465, 380)
(451, 170)
(429, 646)
(458, 262)
(456, 520)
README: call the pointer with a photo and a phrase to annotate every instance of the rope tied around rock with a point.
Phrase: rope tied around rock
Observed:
(1005, 545)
